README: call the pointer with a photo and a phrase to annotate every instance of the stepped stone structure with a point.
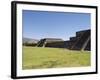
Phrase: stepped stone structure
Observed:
(43, 42)
(81, 41)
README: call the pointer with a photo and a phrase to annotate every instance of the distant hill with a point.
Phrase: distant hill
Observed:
(29, 40)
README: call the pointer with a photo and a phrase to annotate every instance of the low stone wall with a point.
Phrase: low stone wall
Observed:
(61, 44)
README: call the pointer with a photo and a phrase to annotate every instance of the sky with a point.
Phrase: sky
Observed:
(46, 24)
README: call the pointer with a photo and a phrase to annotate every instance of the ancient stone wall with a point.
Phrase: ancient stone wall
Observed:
(60, 44)
(81, 41)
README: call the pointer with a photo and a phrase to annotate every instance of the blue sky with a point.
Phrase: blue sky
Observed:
(43, 24)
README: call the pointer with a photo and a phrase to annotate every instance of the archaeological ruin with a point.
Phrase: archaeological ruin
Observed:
(81, 41)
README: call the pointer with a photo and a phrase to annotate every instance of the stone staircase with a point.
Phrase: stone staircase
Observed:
(41, 43)
(80, 41)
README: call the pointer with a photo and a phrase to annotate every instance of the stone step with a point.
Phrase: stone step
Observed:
(79, 33)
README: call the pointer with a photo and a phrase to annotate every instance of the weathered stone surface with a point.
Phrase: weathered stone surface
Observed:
(81, 41)
(44, 41)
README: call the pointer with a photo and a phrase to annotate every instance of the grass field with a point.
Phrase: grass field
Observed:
(38, 57)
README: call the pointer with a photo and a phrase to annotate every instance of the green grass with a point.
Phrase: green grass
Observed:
(38, 57)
